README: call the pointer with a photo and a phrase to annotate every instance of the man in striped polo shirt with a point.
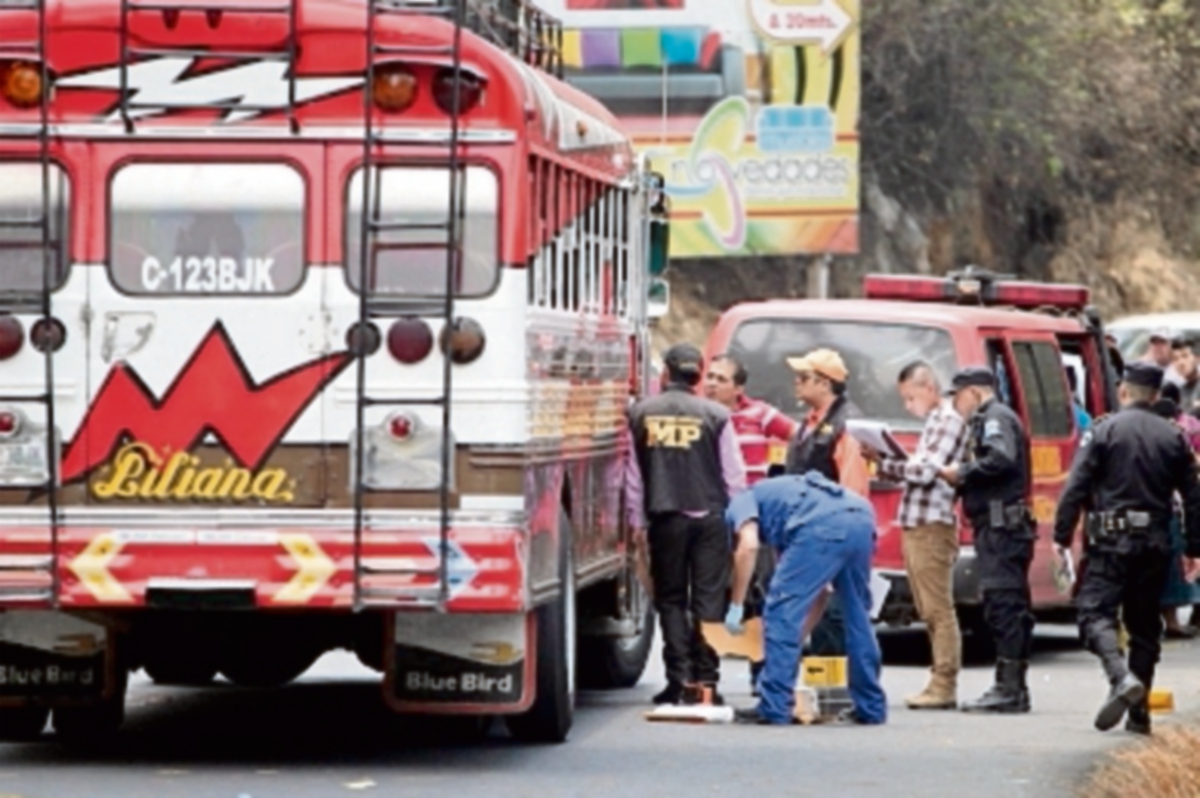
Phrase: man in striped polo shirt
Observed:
(927, 516)
(755, 423)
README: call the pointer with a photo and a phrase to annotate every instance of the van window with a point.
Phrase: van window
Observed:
(874, 355)
(207, 229)
(1046, 398)
(22, 257)
(996, 362)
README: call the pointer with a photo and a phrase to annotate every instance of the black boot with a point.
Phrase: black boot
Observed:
(1138, 721)
(1024, 702)
(1126, 693)
(1126, 689)
(756, 669)
(672, 694)
(1005, 696)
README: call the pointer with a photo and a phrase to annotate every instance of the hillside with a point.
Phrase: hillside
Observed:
(1049, 139)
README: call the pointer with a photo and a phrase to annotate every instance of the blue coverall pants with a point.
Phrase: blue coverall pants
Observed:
(837, 549)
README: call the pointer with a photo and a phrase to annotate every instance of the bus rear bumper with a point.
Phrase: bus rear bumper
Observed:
(273, 561)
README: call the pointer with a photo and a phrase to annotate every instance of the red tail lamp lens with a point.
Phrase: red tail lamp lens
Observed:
(410, 340)
(463, 341)
(48, 335)
(470, 90)
(8, 423)
(12, 336)
(21, 83)
(401, 426)
(394, 89)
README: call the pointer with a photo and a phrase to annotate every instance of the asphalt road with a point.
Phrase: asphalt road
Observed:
(328, 736)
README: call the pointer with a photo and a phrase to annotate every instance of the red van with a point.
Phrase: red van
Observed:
(1028, 333)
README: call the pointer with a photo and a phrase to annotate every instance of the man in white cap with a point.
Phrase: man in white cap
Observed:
(822, 445)
(1158, 350)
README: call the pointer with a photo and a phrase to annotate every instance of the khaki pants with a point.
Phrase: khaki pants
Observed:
(930, 552)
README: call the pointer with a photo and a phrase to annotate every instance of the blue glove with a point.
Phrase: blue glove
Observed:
(733, 619)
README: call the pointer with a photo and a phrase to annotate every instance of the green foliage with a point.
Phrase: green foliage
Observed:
(1043, 108)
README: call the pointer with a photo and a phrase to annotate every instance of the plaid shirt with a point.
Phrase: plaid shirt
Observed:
(927, 498)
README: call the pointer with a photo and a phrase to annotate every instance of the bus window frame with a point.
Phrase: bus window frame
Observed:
(357, 167)
(308, 211)
(68, 222)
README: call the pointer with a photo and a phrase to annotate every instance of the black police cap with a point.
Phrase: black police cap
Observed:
(971, 376)
(684, 360)
(1144, 374)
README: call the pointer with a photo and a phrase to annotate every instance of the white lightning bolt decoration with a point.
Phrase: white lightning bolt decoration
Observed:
(260, 84)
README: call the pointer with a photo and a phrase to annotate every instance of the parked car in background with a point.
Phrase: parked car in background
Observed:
(1133, 332)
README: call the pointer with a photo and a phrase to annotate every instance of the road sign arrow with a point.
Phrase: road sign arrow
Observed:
(91, 568)
(313, 569)
(823, 22)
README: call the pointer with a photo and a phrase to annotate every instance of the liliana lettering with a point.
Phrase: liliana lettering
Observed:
(138, 471)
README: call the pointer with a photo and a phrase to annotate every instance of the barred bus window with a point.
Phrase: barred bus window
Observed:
(23, 257)
(622, 237)
(579, 262)
(556, 248)
(412, 260)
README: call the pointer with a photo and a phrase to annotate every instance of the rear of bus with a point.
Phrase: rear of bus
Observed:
(258, 463)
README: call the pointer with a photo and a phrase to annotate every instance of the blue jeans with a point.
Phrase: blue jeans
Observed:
(837, 550)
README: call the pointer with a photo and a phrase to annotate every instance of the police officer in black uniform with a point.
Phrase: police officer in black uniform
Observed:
(994, 485)
(1125, 473)
(686, 466)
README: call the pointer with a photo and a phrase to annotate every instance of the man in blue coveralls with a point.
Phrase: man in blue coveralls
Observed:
(823, 533)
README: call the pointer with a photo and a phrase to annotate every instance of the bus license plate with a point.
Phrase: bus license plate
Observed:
(24, 462)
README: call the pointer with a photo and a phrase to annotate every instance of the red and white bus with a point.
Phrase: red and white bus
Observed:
(219, 452)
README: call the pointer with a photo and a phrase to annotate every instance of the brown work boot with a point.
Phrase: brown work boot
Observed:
(940, 693)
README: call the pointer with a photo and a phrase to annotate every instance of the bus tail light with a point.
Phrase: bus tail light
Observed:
(463, 341)
(974, 286)
(10, 423)
(394, 88)
(401, 426)
(48, 335)
(21, 83)
(470, 90)
(12, 336)
(410, 340)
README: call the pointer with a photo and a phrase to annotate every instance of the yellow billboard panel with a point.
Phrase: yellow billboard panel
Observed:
(749, 109)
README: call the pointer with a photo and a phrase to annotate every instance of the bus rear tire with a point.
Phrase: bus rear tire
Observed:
(22, 724)
(549, 719)
(608, 663)
(93, 725)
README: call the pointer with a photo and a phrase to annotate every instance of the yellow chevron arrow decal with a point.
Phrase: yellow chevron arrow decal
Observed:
(314, 569)
(91, 568)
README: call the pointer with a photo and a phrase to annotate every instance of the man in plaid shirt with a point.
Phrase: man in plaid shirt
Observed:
(930, 526)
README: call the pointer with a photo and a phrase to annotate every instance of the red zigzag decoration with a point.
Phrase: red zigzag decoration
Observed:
(213, 393)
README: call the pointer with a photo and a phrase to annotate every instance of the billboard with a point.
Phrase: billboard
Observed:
(749, 109)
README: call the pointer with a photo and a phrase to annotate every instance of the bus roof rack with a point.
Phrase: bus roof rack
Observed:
(519, 27)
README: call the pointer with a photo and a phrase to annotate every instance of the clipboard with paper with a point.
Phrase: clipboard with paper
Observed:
(877, 436)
